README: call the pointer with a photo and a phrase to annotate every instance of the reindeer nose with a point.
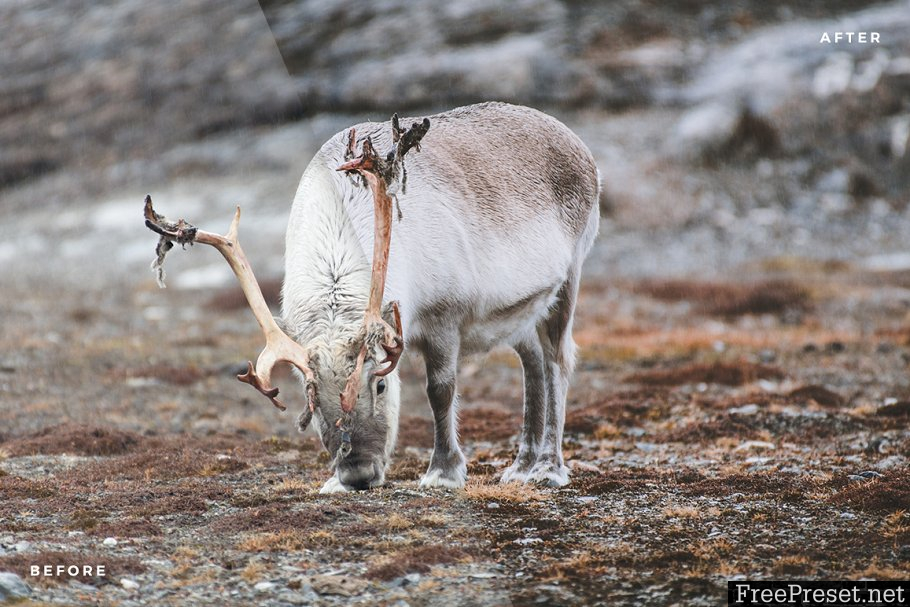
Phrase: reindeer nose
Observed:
(360, 475)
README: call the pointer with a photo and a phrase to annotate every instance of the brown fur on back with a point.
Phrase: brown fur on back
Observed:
(504, 161)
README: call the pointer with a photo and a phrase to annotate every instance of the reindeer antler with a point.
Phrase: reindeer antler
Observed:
(379, 173)
(279, 347)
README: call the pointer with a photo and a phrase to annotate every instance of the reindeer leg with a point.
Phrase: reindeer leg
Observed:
(555, 333)
(535, 402)
(447, 465)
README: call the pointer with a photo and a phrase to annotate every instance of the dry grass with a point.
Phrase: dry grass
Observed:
(684, 512)
(254, 572)
(282, 541)
(514, 493)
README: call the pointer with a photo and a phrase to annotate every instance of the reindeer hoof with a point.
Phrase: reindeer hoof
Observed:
(515, 474)
(443, 479)
(333, 485)
(549, 474)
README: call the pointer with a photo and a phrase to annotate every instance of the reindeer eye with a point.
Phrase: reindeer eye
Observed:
(380, 386)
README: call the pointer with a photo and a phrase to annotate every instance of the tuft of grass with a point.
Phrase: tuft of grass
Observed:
(253, 572)
(282, 541)
(515, 493)
(685, 512)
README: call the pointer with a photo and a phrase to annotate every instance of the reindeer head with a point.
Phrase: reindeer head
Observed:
(354, 394)
(364, 433)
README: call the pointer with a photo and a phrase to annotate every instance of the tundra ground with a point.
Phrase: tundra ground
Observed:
(714, 430)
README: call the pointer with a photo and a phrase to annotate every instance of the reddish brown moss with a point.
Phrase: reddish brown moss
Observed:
(899, 409)
(414, 560)
(727, 374)
(628, 408)
(487, 424)
(273, 518)
(75, 439)
(888, 494)
(821, 395)
(727, 299)
(185, 375)
(415, 431)
(15, 487)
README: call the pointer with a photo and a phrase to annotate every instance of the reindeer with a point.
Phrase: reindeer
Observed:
(493, 215)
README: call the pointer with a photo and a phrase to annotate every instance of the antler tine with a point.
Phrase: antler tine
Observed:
(351, 150)
(394, 350)
(279, 347)
(410, 138)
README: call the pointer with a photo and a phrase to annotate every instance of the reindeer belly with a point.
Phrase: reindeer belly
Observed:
(485, 329)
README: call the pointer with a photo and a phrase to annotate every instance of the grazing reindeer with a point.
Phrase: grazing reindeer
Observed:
(494, 219)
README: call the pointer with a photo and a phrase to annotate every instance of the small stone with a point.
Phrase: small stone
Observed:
(755, 445)
(847, 515)
(12, 588)
(767, 356)
(110, 541)
(412, 578)
(492, 505)
(340, 585)
(750, 409)
(870, 474)
(264, 586)
(129, 584)
(891, 462)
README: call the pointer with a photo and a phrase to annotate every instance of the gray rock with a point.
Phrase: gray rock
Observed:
(341, 585)
(12, 587)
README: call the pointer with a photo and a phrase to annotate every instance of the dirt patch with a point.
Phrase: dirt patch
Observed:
(115, 567)
(414, 560)
(729, 299)
(727, 374)
(75, 439)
